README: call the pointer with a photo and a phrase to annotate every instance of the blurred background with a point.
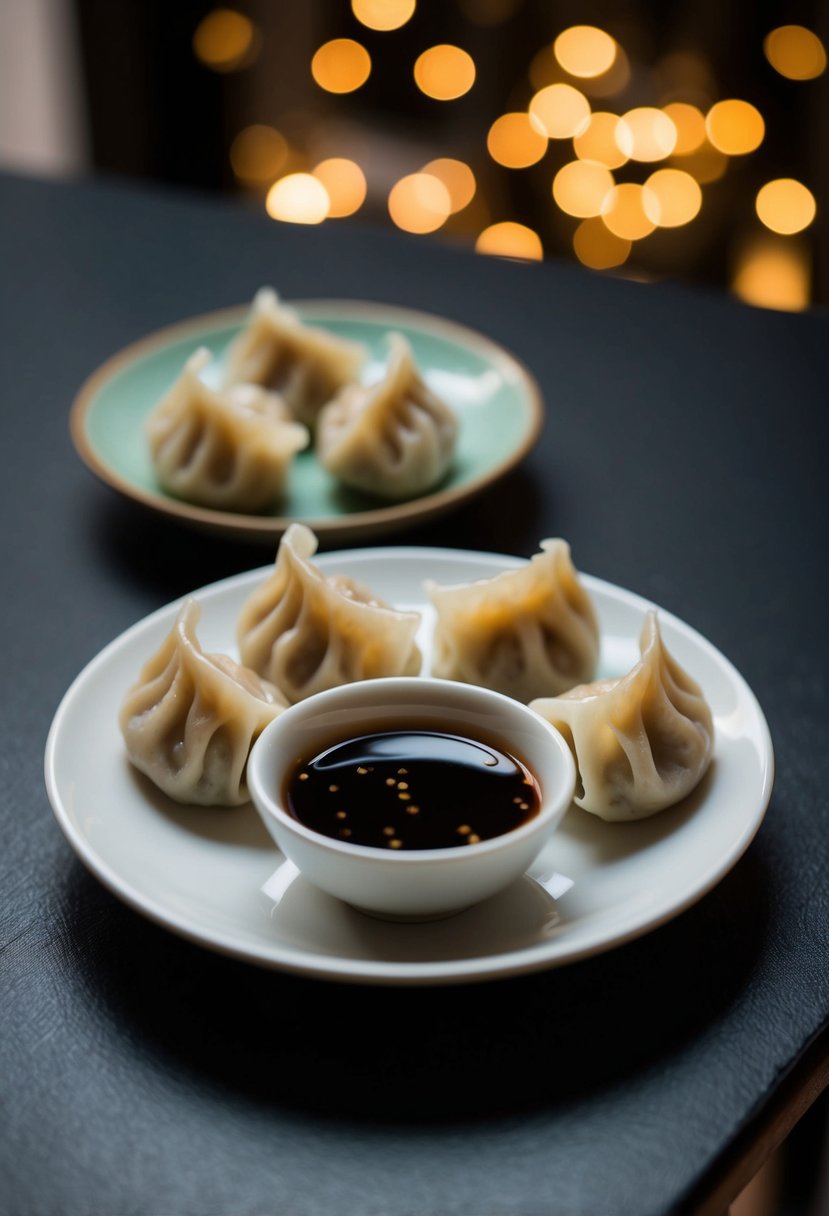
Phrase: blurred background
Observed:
(682, 139)
(649, 138)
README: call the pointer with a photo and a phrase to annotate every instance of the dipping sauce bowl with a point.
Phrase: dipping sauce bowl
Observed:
(391, 880)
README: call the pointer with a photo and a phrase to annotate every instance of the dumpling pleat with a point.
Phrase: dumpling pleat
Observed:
(528, 633)
(394, 438)
(306, 633)
(641, 742)
(306, 365)
(221, 451)
(191, 719)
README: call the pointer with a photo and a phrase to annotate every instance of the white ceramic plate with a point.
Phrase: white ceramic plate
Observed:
(201, 872)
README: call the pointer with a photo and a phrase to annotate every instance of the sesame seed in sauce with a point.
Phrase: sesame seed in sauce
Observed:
(456, 778)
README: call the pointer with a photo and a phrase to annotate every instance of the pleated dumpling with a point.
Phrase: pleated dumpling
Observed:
(306, 365)
(230, 450)
(640, 742)
(191, 719)
(528, 632)
(305, 632)
(395, 438)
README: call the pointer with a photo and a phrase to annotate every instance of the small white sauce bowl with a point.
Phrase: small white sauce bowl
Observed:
(415, 884)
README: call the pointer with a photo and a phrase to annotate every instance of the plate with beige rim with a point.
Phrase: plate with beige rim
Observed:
(496, 399)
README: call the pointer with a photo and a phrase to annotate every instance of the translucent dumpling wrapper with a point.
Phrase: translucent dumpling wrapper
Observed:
(226, 449)
(527, 633)
(305, 632)
(257, 401)
(191, 719)
(396, 438)
(641, 742)
(307, 366)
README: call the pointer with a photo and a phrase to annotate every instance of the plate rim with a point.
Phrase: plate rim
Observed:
(266, 527)
(472, 969)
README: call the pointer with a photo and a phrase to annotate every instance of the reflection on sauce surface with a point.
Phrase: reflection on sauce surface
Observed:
(412, 789)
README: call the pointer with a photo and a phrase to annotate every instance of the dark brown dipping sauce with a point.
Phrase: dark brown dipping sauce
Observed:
(412, 789)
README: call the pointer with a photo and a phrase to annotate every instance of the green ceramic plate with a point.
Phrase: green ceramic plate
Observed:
(497, 400)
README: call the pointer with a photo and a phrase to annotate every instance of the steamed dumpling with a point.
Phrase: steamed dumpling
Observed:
(395, 438)
(307, 366)
(230, 450)
(528, 632)
(641, 742)
(305, 632)
(191, 719)
(253, 399)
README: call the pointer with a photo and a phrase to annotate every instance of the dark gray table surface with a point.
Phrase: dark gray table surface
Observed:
(684, 457)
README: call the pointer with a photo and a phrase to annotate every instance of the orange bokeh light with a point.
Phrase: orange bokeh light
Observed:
(444, 72)
(561, 110)
(419, 203)
(341, 65)
(516, 140)
(510, 240)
